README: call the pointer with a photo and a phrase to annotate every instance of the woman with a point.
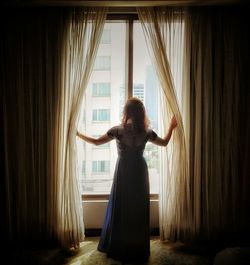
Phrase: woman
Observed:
(125, 234)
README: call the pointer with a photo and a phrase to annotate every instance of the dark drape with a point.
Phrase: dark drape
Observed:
(220, 122)
(30, 53)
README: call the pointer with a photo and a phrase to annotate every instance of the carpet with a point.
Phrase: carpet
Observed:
(161, 253)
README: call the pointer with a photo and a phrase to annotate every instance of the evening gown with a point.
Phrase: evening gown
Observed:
(125, 233)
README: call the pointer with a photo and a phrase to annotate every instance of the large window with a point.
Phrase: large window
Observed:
(104, 100)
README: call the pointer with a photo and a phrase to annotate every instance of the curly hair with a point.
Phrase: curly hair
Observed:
(135, 110)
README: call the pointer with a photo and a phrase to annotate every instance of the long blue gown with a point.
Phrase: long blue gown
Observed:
(125, 233)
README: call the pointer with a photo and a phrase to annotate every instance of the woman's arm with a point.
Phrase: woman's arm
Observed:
(101, 140)
(164, 141)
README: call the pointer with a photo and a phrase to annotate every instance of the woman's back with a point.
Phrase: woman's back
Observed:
(128, 139)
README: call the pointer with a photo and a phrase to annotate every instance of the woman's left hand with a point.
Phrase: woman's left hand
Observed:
(173, 123)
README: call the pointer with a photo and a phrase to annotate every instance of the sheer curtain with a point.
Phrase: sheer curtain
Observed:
(82, 40)
(46, 59)
(164, 32)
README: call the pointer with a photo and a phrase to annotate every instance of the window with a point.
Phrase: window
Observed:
(101, 89)
(104, 100)
(102, 63)
(106, 36)
(138, 91)
(100, 166)
(83, 168)
(101, 115)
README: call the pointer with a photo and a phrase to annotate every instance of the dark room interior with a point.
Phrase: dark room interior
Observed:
(47, 54)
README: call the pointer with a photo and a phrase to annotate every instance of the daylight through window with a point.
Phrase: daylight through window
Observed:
(103, 104)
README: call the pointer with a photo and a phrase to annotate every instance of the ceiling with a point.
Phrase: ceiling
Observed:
(114, 3)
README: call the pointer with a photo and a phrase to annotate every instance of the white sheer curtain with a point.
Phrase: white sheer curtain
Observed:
(164, 32)
(81, 43)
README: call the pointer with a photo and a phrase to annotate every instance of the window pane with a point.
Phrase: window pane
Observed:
(100, 166)
(102, 62)
(83, 168)
(106, 36)
(145, 87)
(103, 102)
(101, 115)
(94, 115)
(101, 89)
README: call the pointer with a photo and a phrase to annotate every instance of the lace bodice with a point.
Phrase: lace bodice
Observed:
(128, 140)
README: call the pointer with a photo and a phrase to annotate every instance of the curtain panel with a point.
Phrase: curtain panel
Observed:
(164, 33)
(31, 48)
(218, 47)
(203, 194)
(82, 41)
(46, 57)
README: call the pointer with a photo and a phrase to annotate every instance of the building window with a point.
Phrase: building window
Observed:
(138, 91)
(83, 168)
(102, 166)
(101, 115)
(83, 115)
(102, 63)
(106, 36)
(101, 89)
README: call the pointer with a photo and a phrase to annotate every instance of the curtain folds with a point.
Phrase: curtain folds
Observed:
(84, 33)
(219, 85)
(46, 59)
(46, 56)
(203, 194)
(164, 32)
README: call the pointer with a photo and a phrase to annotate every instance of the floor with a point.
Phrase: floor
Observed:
(162, 253)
